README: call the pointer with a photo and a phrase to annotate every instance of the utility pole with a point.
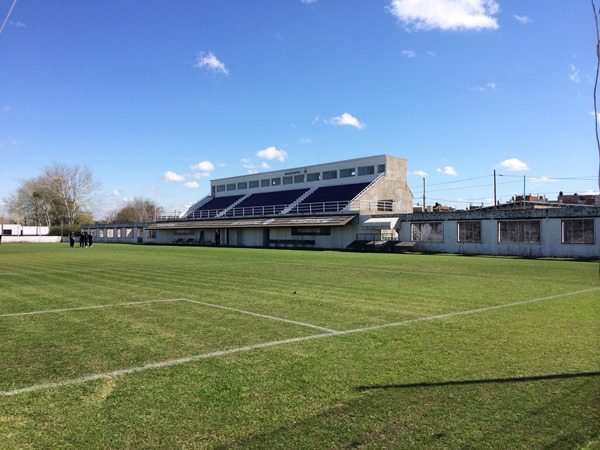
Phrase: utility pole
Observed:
(495, 203)
(424, 208)
(523, 191)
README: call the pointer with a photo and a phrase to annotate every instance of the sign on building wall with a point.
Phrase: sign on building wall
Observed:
(311, 231)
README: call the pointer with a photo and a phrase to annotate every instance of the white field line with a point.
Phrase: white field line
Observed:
(209, 305)
(82, 308)
(174, 362)
(264, 316)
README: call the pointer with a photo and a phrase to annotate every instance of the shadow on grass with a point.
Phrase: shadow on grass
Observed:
(491, 380)
(548, 411)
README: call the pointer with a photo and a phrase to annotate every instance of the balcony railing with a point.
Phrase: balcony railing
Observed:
(303, 208)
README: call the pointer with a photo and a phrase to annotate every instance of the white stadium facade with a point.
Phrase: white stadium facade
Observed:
(361, 204)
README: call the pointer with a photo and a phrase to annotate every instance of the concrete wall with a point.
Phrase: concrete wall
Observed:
(15, 239)
(550, 244)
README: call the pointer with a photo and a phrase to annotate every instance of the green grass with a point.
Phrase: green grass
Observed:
(522, 376)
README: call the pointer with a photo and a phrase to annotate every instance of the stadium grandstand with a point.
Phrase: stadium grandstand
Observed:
(361, 204)
(330, 205)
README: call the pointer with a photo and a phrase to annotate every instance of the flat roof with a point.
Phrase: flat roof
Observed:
(322, 221)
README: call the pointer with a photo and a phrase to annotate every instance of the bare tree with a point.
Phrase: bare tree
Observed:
(137, 210)
(30, 204)
(69, 189)
(61, 195)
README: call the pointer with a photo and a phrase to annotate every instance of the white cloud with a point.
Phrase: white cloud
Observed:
(447, 170)
(522, 19)
(305, 140)
(347, 119)
(191, 185)
(421, 173)
(486, 87)
(272, 153)
(597, 116)
(574, 74)
(446, 14)
(252, 166)
(408, 53)
(172, 177)
(211, 62)
(308, 2)
(204, 166)
(513, 164)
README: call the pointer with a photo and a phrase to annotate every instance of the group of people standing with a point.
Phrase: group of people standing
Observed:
(85, 239)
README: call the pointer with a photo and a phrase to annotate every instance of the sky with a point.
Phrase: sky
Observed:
(159, 97)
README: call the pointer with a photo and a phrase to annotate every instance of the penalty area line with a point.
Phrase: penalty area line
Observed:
(262, 316)
(83, 308)
(179, 361)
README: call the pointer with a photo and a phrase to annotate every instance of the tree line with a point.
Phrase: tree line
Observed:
(62, 197)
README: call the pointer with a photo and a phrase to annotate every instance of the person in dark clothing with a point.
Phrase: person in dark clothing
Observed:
(72, 239)
(81, 239)
(90, 238)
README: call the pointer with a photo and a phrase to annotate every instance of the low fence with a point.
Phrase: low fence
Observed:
(15, 239)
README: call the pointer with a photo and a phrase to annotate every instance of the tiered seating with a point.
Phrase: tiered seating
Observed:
(330, 198)
(266, 203)
(213, 207)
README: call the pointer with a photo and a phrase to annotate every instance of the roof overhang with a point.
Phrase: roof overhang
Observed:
(274, 222)
(381, 223)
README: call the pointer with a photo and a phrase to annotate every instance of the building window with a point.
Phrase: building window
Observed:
(243, 185)
(253, 184)
(288, 179)
(265, 183)
(128, 233)
(519, 231)
(346, 173)
(313, 176)
(577, 231)
(366, 170)
(119, 233)
(330, 175)
(101, 233)
(231, 186)
(110, 233)
(221, 188)
(381, 168)
(275, 181)
(298, 178)
(469, 232)
(427, 232)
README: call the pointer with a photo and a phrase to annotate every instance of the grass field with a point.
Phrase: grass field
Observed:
(122, 346)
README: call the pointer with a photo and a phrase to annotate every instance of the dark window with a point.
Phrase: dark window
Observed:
(469, 232)
(577, 231)
(330, 175)
(519, 231)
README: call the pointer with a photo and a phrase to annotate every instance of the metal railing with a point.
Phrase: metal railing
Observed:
(303, 208)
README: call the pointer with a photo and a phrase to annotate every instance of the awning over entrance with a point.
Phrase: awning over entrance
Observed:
(321, 221)
(381, 223)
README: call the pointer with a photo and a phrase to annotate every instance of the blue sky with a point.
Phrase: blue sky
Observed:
(158, 97)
